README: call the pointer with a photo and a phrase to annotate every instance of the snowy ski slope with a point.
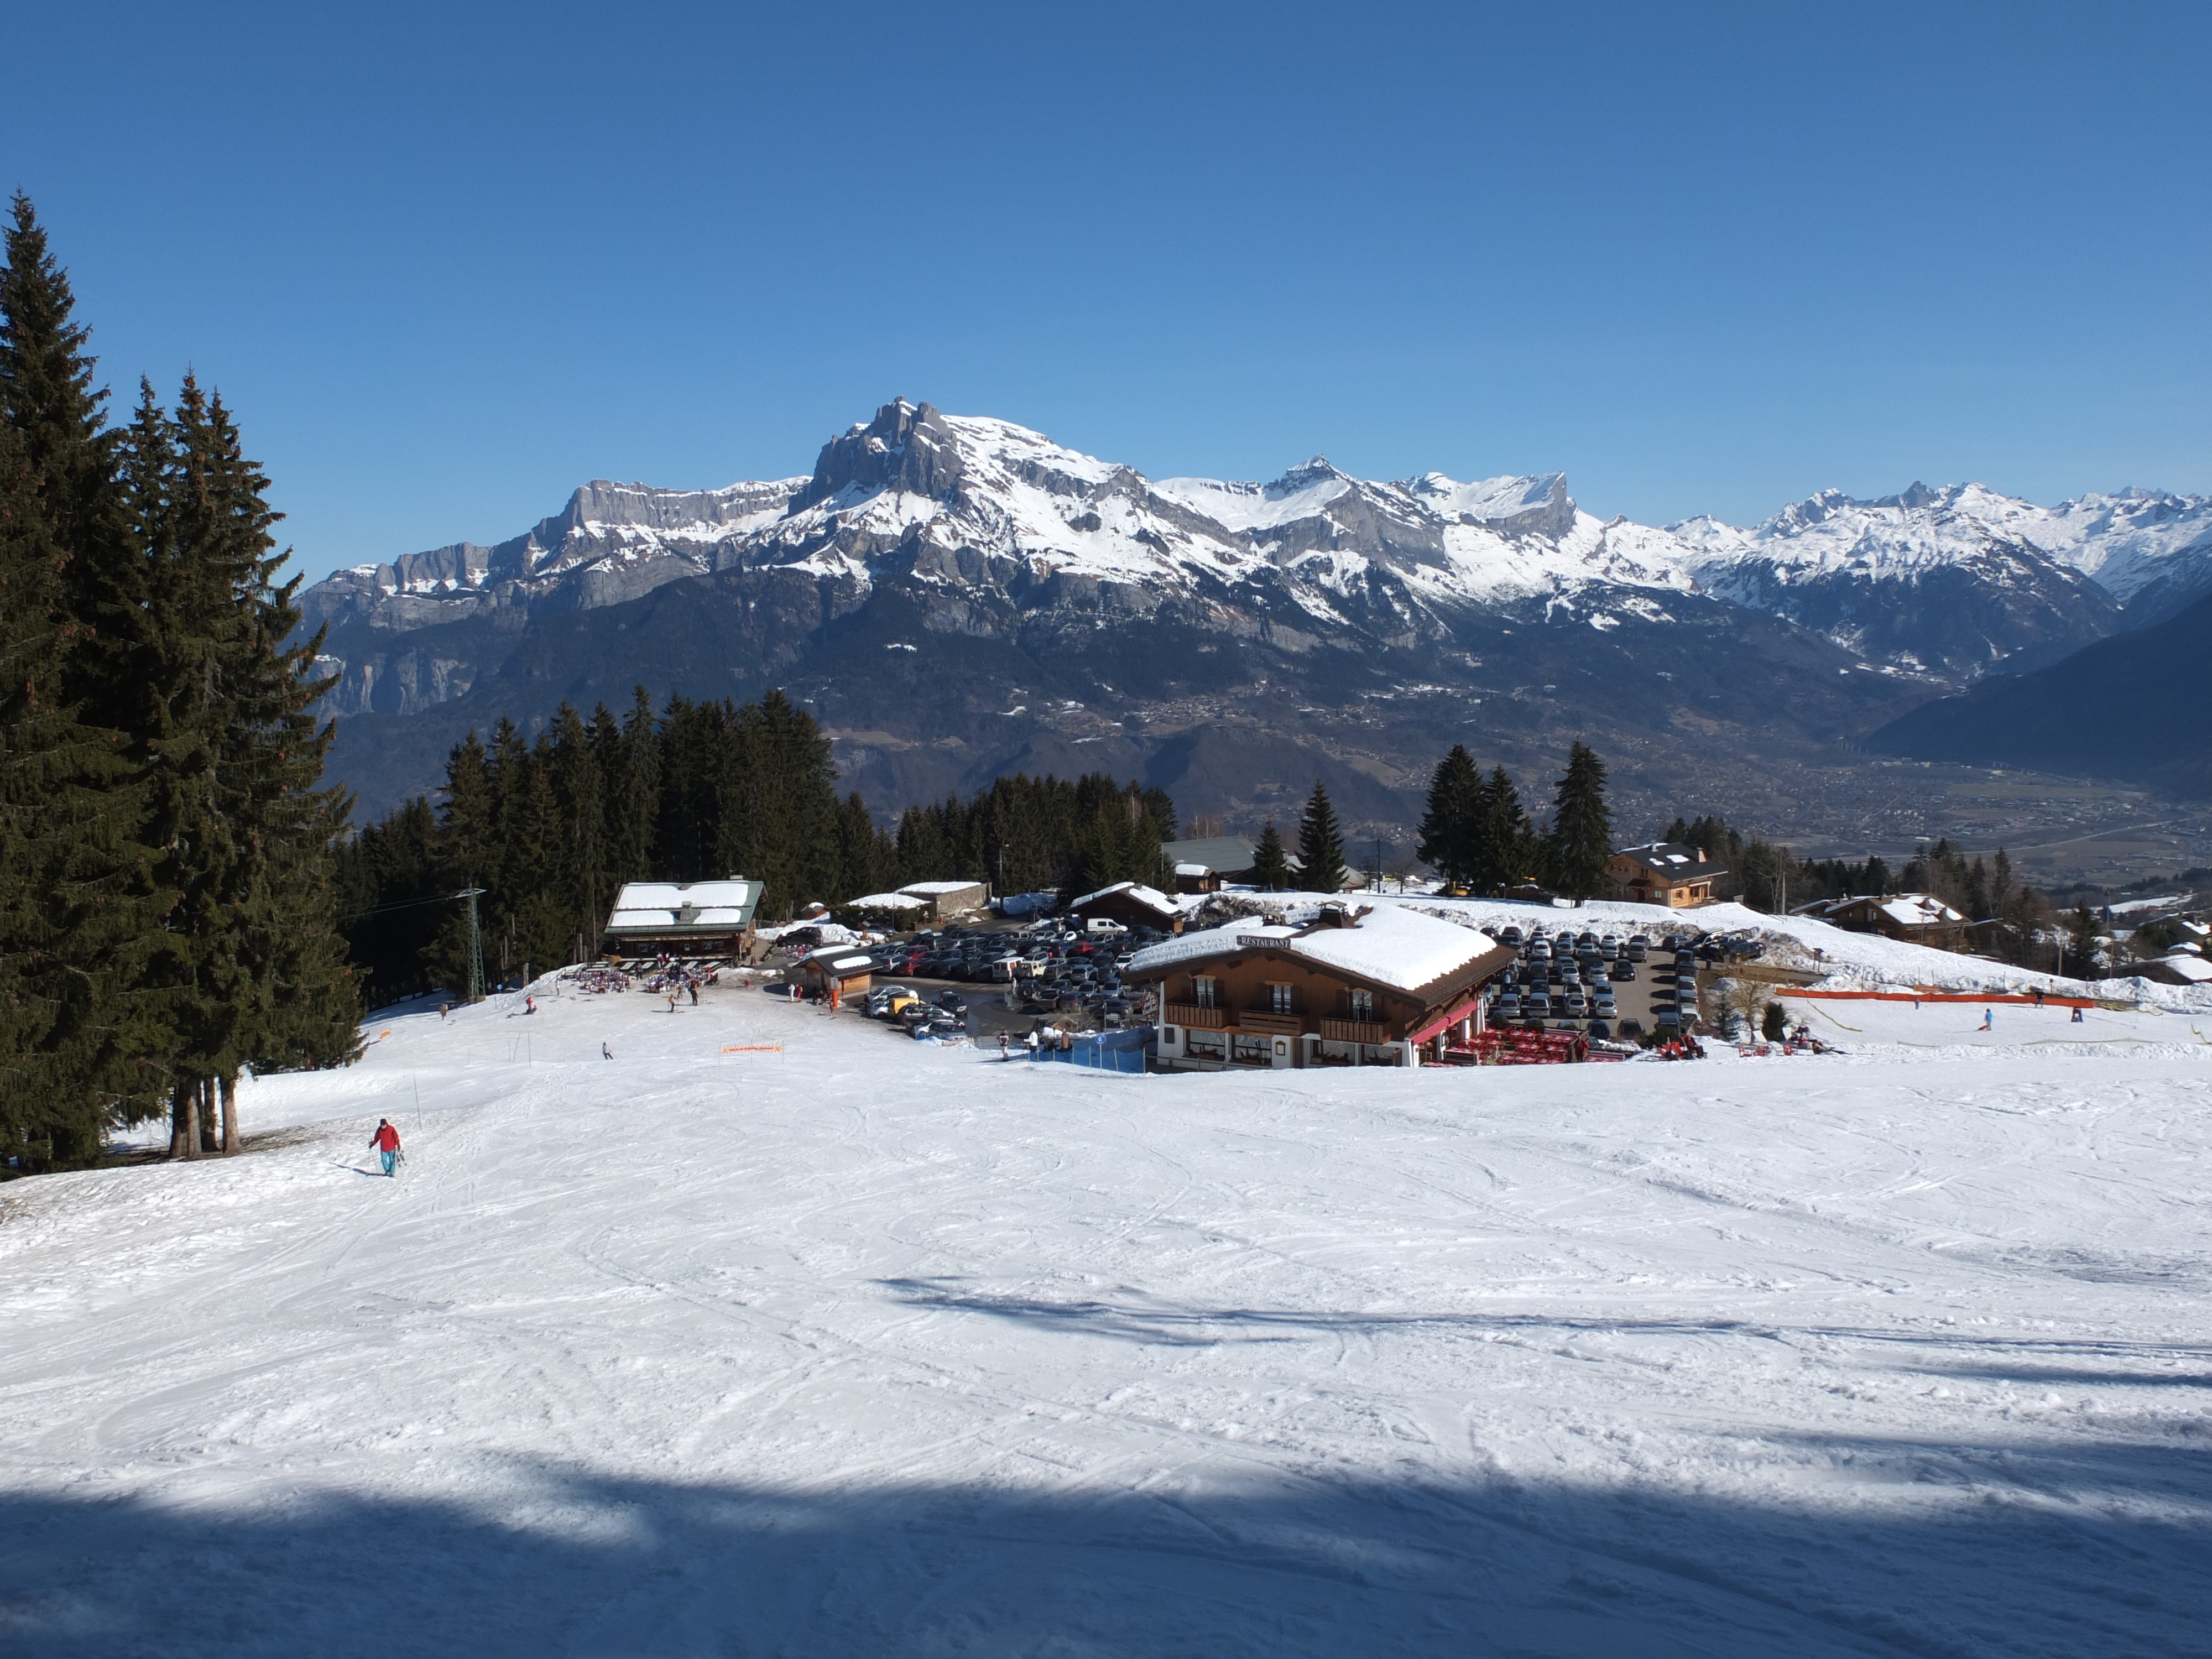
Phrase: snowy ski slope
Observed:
(852, 1345)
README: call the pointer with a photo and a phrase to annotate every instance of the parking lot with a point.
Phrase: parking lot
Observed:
(1607, 986)
(1011, 977)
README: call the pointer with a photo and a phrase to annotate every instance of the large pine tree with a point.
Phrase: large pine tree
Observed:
(1581, 838)
(1451, 826)
(77, 904)
(1271, 860)
(1321, 845)
(1505, 842)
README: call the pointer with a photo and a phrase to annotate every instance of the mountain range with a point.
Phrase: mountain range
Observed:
(957, 596)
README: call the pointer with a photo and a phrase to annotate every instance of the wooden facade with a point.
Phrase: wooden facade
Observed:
(1264, 1004)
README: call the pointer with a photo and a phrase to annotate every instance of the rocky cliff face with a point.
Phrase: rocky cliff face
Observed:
(956, 594)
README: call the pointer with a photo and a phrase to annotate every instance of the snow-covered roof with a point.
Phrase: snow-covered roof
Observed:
(1147, 896)
(2182, 965)
(1193, 870)
(938, 889)
(887, 902)
(1919, 911)
(1905, 909)
(840, 959)
(681, 906)
(1387, 946)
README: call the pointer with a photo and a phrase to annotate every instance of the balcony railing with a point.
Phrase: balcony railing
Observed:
(1266, 1021)
(1355, 1031)
(1189, 1014)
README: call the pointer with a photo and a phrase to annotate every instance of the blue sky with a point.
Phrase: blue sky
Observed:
(447, 262)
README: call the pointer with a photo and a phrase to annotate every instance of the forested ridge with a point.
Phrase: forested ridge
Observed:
(550, 829)
(166, 916)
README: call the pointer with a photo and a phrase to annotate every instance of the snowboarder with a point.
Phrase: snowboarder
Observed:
(386, 1142)
(605, 1053)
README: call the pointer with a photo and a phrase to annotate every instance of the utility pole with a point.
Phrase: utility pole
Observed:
(475, 945)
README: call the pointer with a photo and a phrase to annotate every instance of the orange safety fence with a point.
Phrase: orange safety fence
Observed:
(1985, 997)
(754, 1048)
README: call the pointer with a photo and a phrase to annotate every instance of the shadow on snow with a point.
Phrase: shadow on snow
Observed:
(2082, 1551)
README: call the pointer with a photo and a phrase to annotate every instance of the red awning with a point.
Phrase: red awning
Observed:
(1451, 1015)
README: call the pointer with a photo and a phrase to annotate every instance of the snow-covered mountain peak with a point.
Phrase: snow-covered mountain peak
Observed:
(972, 510)
(1536, 504)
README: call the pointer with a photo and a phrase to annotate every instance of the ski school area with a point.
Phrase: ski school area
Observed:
(735, 1328)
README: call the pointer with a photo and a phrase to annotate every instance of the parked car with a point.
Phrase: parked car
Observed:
(952, 1002)
(1600, 1031)
(1637, 949)
(1576, 1006)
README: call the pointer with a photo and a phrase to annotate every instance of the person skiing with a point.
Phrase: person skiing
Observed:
(605, 1053)
(1004, 1046)
(386, 1142)
(2077, 1020)
(2037, 994)
(528, 1004)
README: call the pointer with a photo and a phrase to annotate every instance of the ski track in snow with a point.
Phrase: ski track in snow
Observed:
(869, 1348)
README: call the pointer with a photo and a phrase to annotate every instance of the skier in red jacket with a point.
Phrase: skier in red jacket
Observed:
(386, 1142)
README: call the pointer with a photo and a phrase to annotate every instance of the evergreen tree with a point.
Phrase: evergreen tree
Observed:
(78, 907)
(2081, 951)
(1321, 845)
(1271, 860)
(1451, 827)
(1505, 844)
(1581, 839)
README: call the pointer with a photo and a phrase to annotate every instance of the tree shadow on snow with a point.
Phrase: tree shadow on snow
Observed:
(1133, 1317)
(2088, 1551)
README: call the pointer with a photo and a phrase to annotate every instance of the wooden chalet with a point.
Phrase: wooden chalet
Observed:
(838, 972)
(681, 919)
(1919, 918)
(1668, 872)
(1130, 903)
(1352, 986)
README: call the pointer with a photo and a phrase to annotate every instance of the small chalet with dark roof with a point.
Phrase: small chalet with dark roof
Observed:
(1668, 872)
(1211, 862)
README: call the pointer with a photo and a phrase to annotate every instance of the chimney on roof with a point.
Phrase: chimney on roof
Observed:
(1701, 855)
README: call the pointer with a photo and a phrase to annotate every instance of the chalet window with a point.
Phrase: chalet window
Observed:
(1202, 990)
(1278, 999)
(1363, 1004)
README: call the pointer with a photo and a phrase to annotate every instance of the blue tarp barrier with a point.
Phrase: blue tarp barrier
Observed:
(1105, 1051)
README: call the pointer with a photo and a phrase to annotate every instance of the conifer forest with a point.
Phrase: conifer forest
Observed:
(167, 912)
